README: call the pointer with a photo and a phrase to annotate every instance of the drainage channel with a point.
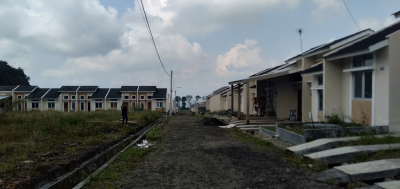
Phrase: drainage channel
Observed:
(80, 175)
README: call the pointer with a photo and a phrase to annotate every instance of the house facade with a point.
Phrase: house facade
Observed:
(86, 98)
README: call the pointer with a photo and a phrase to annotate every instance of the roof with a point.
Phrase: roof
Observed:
(317, 68)
(114, 93)
(25, 88)
(100, 93)
(68, 88)
(398, 12)
(7, 88)
(328, 44)
(147, 88)
(370, 40)
(161, 93)
(221, 89)
(52, 94)
(87, 88)
(266, 71)
(129, 88)
(38, 93)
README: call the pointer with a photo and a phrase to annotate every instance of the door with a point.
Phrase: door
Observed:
(149, 105)
(299, 105)
(65, 106)
(88, 106)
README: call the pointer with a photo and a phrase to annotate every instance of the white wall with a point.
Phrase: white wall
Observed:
(381, 96)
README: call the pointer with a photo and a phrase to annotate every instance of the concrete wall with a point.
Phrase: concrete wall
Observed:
(394, 78)
(381, 92)
(286, 97)
(332, 79)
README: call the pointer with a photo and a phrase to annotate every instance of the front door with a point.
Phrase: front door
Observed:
(88, 106)
(149, 105)
(299, 105)
(65, 106)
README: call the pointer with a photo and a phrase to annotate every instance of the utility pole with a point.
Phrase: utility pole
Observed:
(170, 108)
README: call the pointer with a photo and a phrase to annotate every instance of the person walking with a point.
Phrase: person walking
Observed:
(124, 115)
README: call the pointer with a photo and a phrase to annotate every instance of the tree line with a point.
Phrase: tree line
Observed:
(12, 76)
(188, 99)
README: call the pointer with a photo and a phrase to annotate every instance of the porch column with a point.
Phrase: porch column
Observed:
(231, 100)
(239, 85)
(247, 103)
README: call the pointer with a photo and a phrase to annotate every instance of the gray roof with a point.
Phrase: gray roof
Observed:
(87, 88)
(114, 93)
(100, 93)
(147, 88)
(7, 88)
(129, 88)
(161, 93)
(38, 93)
(25, 88)
(68, 88)
(52, 94)
(317, 68)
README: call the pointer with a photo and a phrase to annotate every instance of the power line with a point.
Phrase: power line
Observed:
(151, 35)
(351, 15)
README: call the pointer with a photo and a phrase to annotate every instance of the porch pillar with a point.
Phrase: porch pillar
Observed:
(231, 100)
(247, 103)
(239, 85)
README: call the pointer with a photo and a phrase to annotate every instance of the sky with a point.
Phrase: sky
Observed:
(206, 43)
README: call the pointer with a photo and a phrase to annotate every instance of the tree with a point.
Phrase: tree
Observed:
(178, 100)
(12, 76)
(184, 102)
(197, 98)
(189, 99)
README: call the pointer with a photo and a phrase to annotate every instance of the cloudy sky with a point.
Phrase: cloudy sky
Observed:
(206, 43)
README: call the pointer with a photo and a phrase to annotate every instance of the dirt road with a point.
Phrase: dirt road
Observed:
(192, 155)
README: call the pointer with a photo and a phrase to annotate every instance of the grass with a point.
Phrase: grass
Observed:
(271, 128)
(264, 145)
(126, 161)
(371, 140)
(31, 135)
(299, 129)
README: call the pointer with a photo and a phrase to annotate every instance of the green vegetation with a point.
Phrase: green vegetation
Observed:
(12, 76)
(335, 119)
(126, 161)
(263, 145)
(299, 129)
(371, 140)
(384, 154)
(32, 135)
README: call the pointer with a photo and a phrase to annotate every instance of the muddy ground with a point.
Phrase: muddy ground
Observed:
(192, 155)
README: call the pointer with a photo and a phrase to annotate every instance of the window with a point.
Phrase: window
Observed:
(51, 104)
(133, 97)
(364, 60)
(35, 104)
(126, 97)
(113, 105)
(99, 105)
(65, 97)
(149, 97)
(82, 97)
(73, 106)
(89, 97)
(320, 80)
(141, 97)
(363, 84)
(82, 106)
(19, 97)
(320, 100)
(73, 97)
(159, 104)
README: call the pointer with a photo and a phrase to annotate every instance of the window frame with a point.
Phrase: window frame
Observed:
(51, 105)
(33, 103)
(98, 105)
(133, 97)
(159, 103)
(320, 78)
(142, 97)
(363, 60)
(82, 96)
(149, 97)
(73, 97)
(73, 106)
(363, 92)
(114, 105)
(126, 97)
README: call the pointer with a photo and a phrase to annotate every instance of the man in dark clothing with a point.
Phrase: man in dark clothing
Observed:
(124, 115)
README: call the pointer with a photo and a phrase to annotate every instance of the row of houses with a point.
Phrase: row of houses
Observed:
(85, 98)
(354, 77)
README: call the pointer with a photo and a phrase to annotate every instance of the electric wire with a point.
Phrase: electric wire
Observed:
(151, 35)
(351, 15)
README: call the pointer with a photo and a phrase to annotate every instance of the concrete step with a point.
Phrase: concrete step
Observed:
(371, 170)
(344, 154)
(394, 184)
(318, 145)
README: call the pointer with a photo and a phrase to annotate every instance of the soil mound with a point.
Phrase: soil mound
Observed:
(212, 122)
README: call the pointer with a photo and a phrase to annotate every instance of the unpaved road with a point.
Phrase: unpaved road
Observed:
(192, 155)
